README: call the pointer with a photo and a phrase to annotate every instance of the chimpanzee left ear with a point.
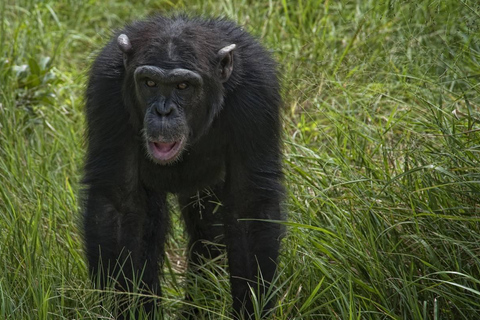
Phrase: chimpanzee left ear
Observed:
(225, 58)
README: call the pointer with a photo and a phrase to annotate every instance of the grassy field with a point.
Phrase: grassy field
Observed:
(382, 150)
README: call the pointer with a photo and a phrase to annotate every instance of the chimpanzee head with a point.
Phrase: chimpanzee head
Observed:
(176, 87)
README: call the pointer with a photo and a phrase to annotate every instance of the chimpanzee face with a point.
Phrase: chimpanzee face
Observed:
(176, 103)
(168, 98)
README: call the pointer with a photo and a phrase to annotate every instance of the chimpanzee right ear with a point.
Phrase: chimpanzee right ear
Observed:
(124, 44)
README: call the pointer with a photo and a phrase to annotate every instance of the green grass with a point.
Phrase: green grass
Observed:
(383, 179)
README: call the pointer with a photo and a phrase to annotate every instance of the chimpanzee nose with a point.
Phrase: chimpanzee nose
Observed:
(164, 109)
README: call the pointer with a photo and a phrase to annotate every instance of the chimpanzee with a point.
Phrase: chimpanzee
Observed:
(189, 106)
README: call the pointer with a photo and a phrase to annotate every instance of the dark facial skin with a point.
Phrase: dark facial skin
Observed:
(166, 95)
(191, 107)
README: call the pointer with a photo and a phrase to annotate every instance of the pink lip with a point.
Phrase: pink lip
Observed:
(165, 151)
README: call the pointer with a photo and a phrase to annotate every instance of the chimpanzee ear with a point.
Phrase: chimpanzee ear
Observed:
(124, 44)
(225, 58)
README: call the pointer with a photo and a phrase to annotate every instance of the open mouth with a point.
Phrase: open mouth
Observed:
(164, 152)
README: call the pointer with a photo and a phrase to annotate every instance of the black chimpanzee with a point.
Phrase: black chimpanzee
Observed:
(188, 106)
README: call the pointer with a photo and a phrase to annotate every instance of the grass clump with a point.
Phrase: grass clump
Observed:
(381, 157)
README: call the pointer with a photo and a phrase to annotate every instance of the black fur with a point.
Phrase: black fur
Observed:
(231, 154)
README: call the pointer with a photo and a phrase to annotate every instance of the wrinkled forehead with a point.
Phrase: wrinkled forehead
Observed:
(174, 50)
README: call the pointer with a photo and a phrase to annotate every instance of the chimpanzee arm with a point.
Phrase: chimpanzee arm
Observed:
(252, 244)
(125, 223)
(254, 192)
(124, 239)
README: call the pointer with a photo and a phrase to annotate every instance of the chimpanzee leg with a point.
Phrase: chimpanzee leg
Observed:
(152, 247)
(124, 242)
(202, 213)
(203, 216)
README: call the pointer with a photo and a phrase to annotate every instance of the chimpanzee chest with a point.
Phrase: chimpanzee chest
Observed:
(199, 167)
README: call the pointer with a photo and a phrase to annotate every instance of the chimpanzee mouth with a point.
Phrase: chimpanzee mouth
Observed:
(165, 152)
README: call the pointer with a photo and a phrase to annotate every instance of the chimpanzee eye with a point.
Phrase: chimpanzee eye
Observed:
(182, 86)
(150, 83)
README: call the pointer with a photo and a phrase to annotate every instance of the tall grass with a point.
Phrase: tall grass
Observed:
(381, 156)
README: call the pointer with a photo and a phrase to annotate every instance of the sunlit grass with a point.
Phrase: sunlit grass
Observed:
(383, 179)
